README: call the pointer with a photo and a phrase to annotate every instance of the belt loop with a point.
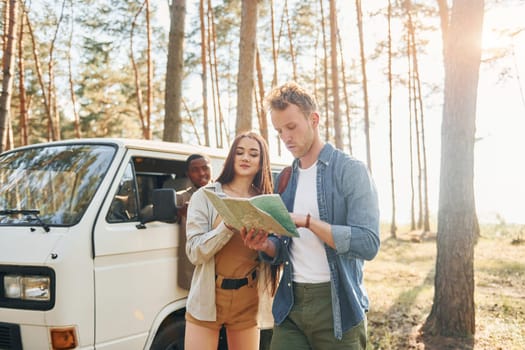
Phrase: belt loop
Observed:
(252, 276)
(218, 280)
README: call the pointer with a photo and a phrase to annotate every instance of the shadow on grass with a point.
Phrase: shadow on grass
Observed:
(399, 326)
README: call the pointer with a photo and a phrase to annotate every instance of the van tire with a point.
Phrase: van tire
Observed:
(171, 336)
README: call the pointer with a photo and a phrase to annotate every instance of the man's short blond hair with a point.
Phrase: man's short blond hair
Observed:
(291, 93)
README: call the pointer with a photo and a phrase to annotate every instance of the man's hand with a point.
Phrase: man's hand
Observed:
(299, 219)
(182, 211)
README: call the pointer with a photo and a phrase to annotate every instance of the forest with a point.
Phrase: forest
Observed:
(397, 82)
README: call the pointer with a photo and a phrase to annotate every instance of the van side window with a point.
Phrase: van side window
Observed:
(133, 199)
(124, 205)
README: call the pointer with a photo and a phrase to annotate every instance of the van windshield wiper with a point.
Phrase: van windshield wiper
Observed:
(35, 213)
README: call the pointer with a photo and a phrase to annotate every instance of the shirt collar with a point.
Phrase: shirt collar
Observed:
(324, 156)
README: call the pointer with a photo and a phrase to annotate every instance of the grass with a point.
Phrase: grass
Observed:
(400, 284)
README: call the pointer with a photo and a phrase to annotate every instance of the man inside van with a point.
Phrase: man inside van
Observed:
(198, 170)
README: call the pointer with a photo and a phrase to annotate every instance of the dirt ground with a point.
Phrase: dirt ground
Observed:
(400, 284)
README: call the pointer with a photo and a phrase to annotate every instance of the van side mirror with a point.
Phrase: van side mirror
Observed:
(163, 208)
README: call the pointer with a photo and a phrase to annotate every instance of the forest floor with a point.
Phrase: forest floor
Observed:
(400, 285)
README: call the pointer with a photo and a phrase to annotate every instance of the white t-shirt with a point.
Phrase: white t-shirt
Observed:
(308, 255)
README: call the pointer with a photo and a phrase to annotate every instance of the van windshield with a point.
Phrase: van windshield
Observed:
(56, 182)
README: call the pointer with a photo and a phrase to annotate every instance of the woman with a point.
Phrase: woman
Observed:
(224, 285)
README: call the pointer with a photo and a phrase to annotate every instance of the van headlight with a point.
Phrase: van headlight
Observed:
(27, 287)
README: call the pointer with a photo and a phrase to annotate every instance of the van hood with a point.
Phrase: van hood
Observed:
(20, 246)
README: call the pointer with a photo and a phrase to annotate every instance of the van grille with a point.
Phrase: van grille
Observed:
(10, 337)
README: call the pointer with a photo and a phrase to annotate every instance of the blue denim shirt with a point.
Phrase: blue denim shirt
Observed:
(347, 199)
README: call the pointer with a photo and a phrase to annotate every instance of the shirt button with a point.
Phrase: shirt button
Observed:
(286, 263)
(289, 284)
(285, 241)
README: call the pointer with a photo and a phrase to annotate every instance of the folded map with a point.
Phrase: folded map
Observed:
(265, 211)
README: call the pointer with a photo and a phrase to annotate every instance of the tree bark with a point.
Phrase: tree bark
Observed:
(335, 79)
(174, 73)
(149, 77)
(345, 94)
(423, 218)
(136, 80)
(453, 310)
(290, 41)
(263, 123)
(325, 74)
(215, 73)
(365, 82)
(423, 150)
(393, 227)
(8, 67)
(274, 46)
(245, 77)
(410, 142)
(24, 120)
(70, 79)
(204, 74)
(54, 121)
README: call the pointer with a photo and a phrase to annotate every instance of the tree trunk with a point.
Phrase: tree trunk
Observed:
(136, 80)
(365, 82)
(423, 150)
(212, 59)
(245, 78)
(7, 79)
(216, 92)
(410, 133)
(290, 41)
(174, 73)
(263, 123)
(70, 79)
(393, 227)
(346, 95)
(149, 78)
(192, 122)
(24, 120)
(423, 217)
(453, 310)
(204, 74)
(335, 79)
(39, 73)
(325, 74)
(274, 46)
(54, 117)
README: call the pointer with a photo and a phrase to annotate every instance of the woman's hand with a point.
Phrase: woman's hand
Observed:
(231, 228)
(256, 239)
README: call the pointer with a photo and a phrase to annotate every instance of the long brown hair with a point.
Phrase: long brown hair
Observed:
(263, 181)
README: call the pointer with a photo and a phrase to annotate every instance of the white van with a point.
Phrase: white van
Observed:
(88, 244)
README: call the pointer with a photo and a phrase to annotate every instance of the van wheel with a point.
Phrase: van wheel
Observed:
(170, 337)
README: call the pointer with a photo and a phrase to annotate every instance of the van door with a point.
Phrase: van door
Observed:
(135, 265)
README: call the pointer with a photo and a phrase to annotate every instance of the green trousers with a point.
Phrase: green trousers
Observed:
(310, 324)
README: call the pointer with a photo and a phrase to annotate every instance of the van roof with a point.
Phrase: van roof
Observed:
(149, 145)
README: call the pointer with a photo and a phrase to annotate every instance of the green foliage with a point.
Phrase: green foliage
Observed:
(100, 50)
(101, 67)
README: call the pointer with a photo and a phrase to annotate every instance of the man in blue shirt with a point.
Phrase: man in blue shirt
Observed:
(321, 302)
